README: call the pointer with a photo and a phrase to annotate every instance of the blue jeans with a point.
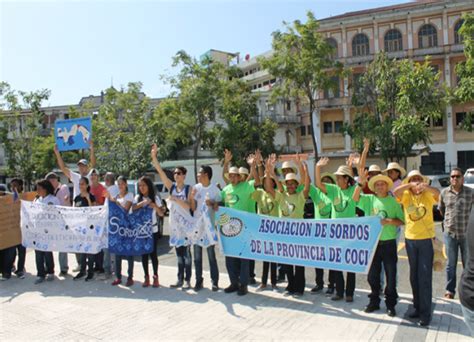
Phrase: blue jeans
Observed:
(468, 318)
(63, 262)
(44, 263)
(107, 261)
(118, 266)
(184, 263)
(211, 255)
(420, 258)
(453, 245)
(238, 270)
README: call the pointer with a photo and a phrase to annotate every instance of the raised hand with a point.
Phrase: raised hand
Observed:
(227, 156)
(154, 150)
(363, 175)
(366, 144)
(258, 156)
(354, 159)
(251, 159)
(323, 161)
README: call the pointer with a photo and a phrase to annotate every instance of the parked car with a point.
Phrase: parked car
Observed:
(3, 189)
(439, 182)
(469, 178)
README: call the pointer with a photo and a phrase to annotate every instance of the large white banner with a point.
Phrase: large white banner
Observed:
(187, 230)
(64, 229)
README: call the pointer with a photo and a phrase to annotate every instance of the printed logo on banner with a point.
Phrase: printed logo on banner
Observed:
(130, 234)
(73, 134)
(230, 226)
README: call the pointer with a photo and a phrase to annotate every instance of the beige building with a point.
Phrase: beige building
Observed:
(412, 30)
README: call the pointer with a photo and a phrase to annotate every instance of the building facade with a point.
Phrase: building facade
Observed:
(413, 30)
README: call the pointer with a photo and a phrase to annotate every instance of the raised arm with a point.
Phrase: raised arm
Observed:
(164, 178)
(251, 161)
(61, 164)
(398, 192)
(253, 172)
(270, 167)
(259, 161)
(317, 174)
(358, 189)
(363, 157)
(307, 180)
(429, 188)
(92, 154)
(225, 167)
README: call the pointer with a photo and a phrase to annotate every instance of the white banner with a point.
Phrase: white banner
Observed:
(64, 229)
(187, 230)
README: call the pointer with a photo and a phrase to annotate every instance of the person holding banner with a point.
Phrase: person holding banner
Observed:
(418, 198)
(125, 200)
(391, 215)
(100, 194)
(291, 205)
(204, 199)
(179, 193)
(16, 186)
(61, 191)
(237, 195)
(45, 260)
(85, 199)
(148, 198)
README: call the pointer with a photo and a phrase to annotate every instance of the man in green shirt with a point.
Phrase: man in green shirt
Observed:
(391, 215)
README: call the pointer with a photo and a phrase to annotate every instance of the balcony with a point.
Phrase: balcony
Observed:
(282, 119)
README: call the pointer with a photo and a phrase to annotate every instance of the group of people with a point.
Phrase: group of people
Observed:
(399, 199)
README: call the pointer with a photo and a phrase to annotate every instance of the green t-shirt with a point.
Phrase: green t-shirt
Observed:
(343, 206)
(266, 205)
(292, 206)
(384, 207)
(239, 197)
(322, 204)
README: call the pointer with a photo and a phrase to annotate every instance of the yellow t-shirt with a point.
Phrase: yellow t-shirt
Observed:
(418, 210)
(292, 206)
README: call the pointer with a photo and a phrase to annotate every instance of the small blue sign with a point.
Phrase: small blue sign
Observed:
(73, 134)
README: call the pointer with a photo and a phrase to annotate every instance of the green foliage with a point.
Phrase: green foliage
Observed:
(395, 100)
(302, 62)
(465, 71)
(20, 132)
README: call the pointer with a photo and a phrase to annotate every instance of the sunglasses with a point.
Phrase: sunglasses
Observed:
(178, 173)
(456, 176)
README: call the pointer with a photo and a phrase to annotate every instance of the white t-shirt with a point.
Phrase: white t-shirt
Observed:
(75, 178)
(114, 191)
(181, 194)
(123, 200)
(62, 194)
(154, 220)
(50, 199)
(211, 192)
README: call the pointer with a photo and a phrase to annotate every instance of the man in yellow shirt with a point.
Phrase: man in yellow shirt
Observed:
(418, 198)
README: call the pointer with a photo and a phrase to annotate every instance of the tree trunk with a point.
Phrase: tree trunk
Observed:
(313, 135)
(195, 153)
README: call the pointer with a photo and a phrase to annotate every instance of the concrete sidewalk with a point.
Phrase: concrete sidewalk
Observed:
(75, 310)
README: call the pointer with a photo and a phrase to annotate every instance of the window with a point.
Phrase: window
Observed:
(309, 130)
(432, 164)
(465, 159)
(288, 105)
(337, 126)
(438, 122)
(327, 127)
(333, 91)
(360, 45)
(393, 41)
(303, 130)
(460, 117)
(427, 37)
(457, 37)
(333, 43)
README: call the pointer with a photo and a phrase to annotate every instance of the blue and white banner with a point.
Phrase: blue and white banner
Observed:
(63, 229)
(188, 230)
(336, 244)
(73, 134)
(130, 234)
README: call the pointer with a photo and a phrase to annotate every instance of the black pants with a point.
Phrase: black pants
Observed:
(153, 256)
(340, 284)
(320, 278)
(386, 254)
(296, 279)
(99, 262)
(273, 272)
(21, 252)
(44, 263)
(251, 268)
(8, 258)
(87, 260)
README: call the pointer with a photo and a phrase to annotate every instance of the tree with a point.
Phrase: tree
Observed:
(395, 100)
(465, 71)
(302, 60)
(124, 131)
(241, 132)
(21, 122)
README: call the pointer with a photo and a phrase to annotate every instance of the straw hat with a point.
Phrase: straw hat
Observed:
(395, 166)
(344, 170)
(243, 170)
(289, 165)
(290, 177)
(233, 170)
(414, 173)
(329, 175)
(378, 178)
(374, 168)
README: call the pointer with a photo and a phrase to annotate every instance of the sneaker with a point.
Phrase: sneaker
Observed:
(252, 281)
(423, 323)
(330, 291)
(215, 288)
(371, 308)
(198, 286)
(261, 287)
(20, 274)
(243, 290)
(39, 280)
(179, 283)
(90, 277)
(316, 289)
(4, 278)
(288, 293)
(50, 277)
(79, 276)
(129, 282)
(231, 288)
(63, 273)
(336, 297)
(117, 282)
(298, 294)
(156, 283)
(391, 312)
(77, 268)
(187, 285)
(349, 299)
(449, 295)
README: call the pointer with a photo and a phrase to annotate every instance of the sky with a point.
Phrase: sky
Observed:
(78, 48)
